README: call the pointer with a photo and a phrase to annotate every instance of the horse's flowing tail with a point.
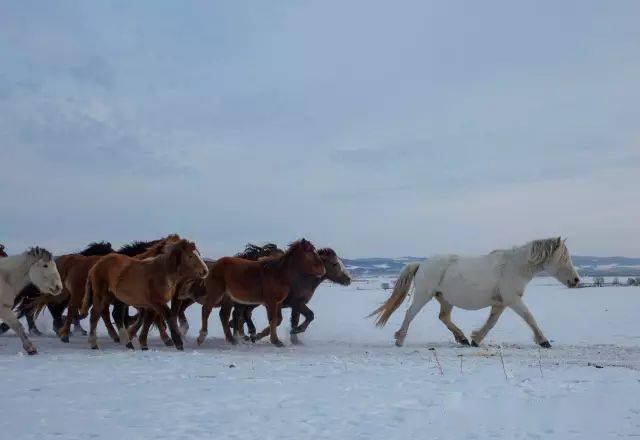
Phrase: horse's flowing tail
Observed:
(87, 300)
(400, 292)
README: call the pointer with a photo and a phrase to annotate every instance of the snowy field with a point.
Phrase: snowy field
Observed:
(348, 380)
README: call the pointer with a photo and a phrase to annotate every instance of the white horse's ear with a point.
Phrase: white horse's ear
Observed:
(558, 242)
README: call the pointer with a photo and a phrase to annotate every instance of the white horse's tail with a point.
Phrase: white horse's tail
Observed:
(400, 292)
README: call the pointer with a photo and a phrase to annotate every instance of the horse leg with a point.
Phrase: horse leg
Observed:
(162, 328)
(420, 298)
(225, 313)
(251, 327)
(134, 326)
(308, 317)
(521, 309)
(445, 317)
(295, 319)
(274, 313)
(478, 335)
(7, 315)
(72, 316)
(99, 304)
(104, 313)
(204, 329)
(4, 327)
(118, 313)
(179, 309)
(164, 311)
(146, 316)
(237, 320)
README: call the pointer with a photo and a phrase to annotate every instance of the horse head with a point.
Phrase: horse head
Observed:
(336, 271)
(43, 271)
(554, 257)
(185, 260)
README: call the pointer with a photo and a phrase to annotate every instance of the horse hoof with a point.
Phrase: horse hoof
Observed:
(130, 345)
(35, 332)
(31, 351)
(398, 343)
(296, 330)
(545, 344)
(145, 348)
(116, 340)
(278, 343)
(179, 347)
(64, 339)
(94, 347)
(474, 344)
(464, 341)
(169, 343)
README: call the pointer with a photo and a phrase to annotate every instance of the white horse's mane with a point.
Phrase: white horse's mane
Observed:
(542, 250)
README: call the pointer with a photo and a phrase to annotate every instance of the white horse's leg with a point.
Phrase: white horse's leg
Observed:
(478, 335)
(7, 315)
(521, 309)
(420, 298)
(445, 317)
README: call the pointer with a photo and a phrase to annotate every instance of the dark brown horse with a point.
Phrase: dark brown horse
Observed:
(144, 283)
(303, 288)
(266, 282)
(2, 252)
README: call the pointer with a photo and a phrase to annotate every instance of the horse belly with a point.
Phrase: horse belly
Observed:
(467, 294)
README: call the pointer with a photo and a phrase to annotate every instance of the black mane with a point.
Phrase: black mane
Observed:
(254, 252)
(136, 247)
(97, 248)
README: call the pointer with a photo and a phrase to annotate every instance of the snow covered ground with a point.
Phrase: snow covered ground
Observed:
(347, 381)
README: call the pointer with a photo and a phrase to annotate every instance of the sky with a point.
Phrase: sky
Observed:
(377, 128)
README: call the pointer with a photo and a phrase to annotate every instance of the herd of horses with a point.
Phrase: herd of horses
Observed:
(162, 278)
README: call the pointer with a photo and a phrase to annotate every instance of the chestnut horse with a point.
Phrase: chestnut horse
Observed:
(197, 292)
(266, 282)
(147, 284)
(74, 269)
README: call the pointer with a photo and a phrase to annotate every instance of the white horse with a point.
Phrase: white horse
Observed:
(33, 266)
(496, 280)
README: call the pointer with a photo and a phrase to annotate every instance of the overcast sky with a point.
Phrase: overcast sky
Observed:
(378, 128)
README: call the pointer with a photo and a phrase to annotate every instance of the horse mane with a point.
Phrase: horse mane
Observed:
(158, 247)
(2, 252)
(276, 263)
(136, 247)
(327, 252)
(255, 252)
(542, 250)
(38, 253)
(97, 248)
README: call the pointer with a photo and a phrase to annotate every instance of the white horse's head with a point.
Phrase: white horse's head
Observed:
(43, 271)
(552, 254)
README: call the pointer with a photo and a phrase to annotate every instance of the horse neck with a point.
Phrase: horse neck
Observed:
(520, 260)
(16, 270)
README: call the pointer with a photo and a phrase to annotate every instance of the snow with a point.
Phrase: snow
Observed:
(347, 381)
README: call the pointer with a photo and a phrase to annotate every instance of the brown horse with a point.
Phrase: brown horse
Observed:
(197, 291)
(302, 291)
(266, 282)
(74, 269)
(2, 252)
(147, 284)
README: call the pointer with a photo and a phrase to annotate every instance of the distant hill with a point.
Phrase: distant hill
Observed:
(587, 266)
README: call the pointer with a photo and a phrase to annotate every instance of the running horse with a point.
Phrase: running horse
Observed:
(144, 283)
(267, 282)
(497, 280)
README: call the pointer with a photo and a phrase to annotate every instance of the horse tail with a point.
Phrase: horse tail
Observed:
(88, 298)
(400, 292)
